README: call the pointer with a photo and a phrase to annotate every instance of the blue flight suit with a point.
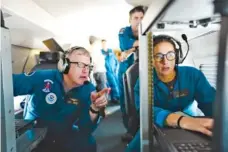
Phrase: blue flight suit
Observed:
(66, 115)
(190, 85)
(126, 40)
(111, 65)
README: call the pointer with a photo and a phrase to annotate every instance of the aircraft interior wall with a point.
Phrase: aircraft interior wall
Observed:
(19, 57)
(204, 49)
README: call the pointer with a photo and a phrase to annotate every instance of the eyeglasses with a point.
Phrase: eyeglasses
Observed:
(83, 65)
(171, 55)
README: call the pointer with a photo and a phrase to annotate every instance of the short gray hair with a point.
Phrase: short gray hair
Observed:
(79, 49)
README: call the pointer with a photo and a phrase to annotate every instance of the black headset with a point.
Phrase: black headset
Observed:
(178, 49)
(64, 62)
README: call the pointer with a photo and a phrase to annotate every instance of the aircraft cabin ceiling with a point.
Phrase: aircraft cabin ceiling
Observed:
(72, 21)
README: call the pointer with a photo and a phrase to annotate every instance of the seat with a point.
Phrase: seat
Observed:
(42, 66)
(47, 60)
(130, 78)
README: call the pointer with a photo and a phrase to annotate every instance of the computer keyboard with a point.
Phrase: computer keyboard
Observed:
(193, 147)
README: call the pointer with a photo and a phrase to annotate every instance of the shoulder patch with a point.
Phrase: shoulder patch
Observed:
(47, 85)
(29, 74)
(51, 98)
(121, 30)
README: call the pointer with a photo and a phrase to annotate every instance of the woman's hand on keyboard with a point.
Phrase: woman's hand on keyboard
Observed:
(203, 125)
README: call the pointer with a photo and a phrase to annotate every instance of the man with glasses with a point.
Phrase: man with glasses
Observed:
(65, 102)
(175, 89)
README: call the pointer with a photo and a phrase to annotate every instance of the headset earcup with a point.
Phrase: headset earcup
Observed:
(177, 56)
(60, 65)
(67, 66)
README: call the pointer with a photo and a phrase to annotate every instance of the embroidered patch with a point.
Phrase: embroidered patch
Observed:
(47, 85)
(182, 93)
(51, 98)
(121, 31)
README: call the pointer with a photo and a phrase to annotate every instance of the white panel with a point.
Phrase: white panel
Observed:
(31, 12)
(26, 33)
(74, 20)
(185, 10)
(59, 8)
(139, 2)
(7, 110)
(205, 49)
(144, 96)
(179, 10)
(152, 12)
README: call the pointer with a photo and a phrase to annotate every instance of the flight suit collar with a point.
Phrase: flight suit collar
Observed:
(59, 76)
(161, 85)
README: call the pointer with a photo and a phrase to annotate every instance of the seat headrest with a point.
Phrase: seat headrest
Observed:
(43, 66)
(48, 57)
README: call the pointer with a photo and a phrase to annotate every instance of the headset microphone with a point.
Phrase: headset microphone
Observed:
(184, 37)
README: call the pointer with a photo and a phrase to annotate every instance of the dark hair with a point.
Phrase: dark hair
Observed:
(137, 9)
(103, 40)
(92, 39)
(159, 39)
(166, 38)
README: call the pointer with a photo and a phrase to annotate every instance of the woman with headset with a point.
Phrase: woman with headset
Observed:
(64, 102)
(175, 88)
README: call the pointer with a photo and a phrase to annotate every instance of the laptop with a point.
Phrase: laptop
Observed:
(52, 45)
(180, 140)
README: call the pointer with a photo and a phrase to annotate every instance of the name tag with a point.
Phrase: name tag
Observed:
(73, 101)
(182, 93)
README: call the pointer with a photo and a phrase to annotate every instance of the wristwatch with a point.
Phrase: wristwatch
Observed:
(94, 111)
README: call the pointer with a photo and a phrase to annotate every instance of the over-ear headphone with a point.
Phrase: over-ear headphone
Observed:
(178, 49)
(64, 62)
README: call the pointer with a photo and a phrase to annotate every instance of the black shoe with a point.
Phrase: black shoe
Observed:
(127, 137)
